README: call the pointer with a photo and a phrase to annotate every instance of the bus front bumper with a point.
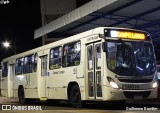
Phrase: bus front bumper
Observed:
(119, 94)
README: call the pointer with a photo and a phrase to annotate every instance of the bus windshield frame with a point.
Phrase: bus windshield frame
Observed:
(130, 58)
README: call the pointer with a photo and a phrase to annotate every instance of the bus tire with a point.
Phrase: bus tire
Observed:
(75, 97)
(21, 96)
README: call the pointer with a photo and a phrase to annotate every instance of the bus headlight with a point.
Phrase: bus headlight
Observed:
(154, 85)
(112, 83)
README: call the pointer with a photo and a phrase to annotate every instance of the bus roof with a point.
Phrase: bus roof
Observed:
(95, 31)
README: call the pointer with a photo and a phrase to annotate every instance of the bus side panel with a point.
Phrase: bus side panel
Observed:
(31, 93)
(58, 80)
(81, 83)
(58, 90)
(60, 93)
(81, 72)
(31, 85)
(4, 92)
(19, 80)
(4, 86)
(15, 93)
(51, 93)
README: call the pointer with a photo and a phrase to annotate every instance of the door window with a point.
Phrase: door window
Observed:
(5, 69)
(90, 57)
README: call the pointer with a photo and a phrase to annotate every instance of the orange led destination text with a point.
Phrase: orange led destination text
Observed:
(131, 35)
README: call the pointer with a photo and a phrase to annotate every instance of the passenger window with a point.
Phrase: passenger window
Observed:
(35, 62)
(5, 69)
(28, 64)
(71, 54)
(19, 66)
(55, 58)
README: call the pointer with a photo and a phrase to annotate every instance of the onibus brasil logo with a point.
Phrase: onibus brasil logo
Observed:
(4, 1)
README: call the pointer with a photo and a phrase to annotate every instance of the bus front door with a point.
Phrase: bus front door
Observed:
(94, 79)
(43, 82)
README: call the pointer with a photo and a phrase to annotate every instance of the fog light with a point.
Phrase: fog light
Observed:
(154, 85)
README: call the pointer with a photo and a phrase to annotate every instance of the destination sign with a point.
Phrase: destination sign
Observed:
(126, 34)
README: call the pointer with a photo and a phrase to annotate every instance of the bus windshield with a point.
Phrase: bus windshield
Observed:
(131, 58)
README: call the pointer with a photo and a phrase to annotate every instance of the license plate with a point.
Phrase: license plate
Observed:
(130, 86)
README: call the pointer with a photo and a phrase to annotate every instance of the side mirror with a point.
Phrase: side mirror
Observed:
(104, 46)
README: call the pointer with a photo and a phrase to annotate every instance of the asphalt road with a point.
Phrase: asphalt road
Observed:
(64, 107)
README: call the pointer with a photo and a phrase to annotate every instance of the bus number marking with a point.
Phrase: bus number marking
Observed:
(130, 86)
(92, 38)
(58, 72)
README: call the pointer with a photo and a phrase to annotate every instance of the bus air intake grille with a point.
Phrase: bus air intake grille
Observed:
(135, 80)
(132, 95)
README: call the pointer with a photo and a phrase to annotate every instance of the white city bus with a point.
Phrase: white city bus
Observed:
(102, 64)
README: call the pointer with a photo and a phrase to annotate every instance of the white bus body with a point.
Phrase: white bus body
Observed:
(85, 64)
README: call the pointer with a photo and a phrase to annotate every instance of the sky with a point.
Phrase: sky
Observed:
(18, 20)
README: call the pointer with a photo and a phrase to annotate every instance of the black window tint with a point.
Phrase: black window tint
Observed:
(35, 62)
(71, 54)
(158, 69)
(55, 58)
(5, 69)
(28, 64)
(77, 47)
(19, 66)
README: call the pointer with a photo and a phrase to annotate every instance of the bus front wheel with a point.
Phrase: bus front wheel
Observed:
(75, 97)
(21, 96)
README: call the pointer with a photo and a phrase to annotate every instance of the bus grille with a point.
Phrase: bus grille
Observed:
(144, 94)
(135, 80)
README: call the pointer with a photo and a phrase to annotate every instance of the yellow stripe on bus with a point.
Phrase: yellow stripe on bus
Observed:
(43, 98)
